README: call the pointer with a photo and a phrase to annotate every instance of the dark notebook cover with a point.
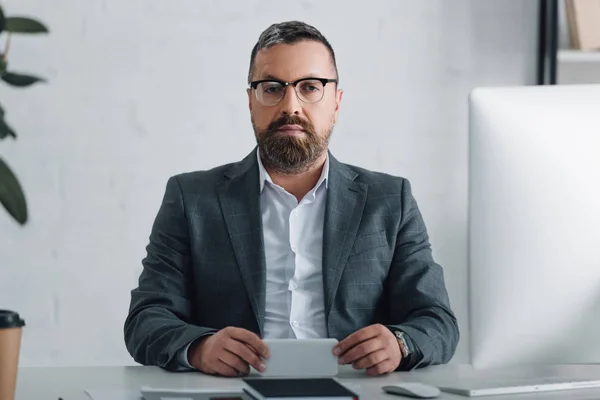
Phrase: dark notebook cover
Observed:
(300, 387)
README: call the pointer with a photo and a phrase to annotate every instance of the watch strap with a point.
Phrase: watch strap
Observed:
(402, 342)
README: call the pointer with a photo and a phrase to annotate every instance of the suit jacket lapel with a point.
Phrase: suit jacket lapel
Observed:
(239, 196)
(345, 204)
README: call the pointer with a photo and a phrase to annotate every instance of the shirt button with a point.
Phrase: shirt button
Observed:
(295, 324)
(294, 286)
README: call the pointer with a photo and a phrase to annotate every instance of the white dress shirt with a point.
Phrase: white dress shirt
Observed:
(293, 239)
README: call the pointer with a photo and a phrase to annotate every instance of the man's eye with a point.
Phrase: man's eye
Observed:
(270, 89)
(311, 87)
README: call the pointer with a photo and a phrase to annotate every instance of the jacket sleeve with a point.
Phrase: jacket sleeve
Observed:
(418, 300)
(158, 326)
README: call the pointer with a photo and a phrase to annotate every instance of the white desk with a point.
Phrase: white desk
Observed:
(70, 383)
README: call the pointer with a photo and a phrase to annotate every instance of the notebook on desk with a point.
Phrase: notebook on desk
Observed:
(491, 386)
(151, 393)
(297, 389)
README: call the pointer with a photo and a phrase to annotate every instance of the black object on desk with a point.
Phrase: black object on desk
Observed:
(297, 389)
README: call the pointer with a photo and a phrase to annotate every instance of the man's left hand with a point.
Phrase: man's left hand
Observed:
(374, 348)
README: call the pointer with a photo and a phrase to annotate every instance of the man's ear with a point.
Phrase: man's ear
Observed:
(338, 100)
(249, 91)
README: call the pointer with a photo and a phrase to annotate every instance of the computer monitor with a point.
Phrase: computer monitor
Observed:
(534, 225)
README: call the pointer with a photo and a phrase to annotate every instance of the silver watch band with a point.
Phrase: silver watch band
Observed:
(404, 349)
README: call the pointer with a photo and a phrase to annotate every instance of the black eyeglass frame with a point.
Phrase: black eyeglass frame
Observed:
(324, 81)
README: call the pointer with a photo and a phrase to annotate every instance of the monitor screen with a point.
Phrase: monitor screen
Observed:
(534, 225)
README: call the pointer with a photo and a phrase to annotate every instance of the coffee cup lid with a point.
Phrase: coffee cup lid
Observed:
(10, 319)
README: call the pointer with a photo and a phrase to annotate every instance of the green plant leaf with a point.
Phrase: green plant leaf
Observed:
(2, 20)
(24, 25)
(11, 194)
(6, 130)
(3, 64)
(20, 80)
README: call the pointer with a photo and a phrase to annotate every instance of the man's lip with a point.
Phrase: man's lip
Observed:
(291, 128)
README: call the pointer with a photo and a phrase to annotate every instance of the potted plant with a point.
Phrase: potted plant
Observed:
(11, 193)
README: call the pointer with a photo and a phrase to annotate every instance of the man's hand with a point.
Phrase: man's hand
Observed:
(229, 352)
(374, 348)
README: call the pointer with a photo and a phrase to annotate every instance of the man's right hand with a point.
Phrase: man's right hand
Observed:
(229, 352)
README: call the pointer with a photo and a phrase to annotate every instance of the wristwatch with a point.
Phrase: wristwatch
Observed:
(404, 349)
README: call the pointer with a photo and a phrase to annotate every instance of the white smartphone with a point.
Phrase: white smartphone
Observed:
(300, 358)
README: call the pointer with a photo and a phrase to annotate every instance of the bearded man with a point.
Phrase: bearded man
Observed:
(289, 242)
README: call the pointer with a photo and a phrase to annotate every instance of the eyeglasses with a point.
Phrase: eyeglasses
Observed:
(309, 90)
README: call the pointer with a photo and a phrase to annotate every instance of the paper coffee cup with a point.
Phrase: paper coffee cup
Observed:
(10, 344)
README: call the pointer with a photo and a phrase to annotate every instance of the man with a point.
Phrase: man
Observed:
(289, 242)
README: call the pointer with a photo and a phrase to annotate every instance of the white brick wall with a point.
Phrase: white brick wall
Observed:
(143, 89)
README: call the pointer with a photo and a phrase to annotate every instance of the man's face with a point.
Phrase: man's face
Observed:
(293, 133)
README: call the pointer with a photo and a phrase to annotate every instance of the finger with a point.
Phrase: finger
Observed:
(246, 353)
(381, 368)
(224, 369)
(361, 350)
(357, 337)
(370, 360)
(234, 362)
(251, 339)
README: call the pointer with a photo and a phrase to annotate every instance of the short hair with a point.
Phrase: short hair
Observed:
(289, 32)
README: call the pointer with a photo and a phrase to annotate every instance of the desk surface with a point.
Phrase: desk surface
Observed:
(71, 383)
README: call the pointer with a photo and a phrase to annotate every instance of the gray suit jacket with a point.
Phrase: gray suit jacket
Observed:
(205, 264)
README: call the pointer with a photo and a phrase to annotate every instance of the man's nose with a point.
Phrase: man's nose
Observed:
(290, 104)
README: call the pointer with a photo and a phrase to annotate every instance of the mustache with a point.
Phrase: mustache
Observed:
(290, 120)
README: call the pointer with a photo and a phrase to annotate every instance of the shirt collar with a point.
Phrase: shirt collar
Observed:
(263, 175)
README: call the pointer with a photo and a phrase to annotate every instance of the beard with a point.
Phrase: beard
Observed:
(290, 154)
